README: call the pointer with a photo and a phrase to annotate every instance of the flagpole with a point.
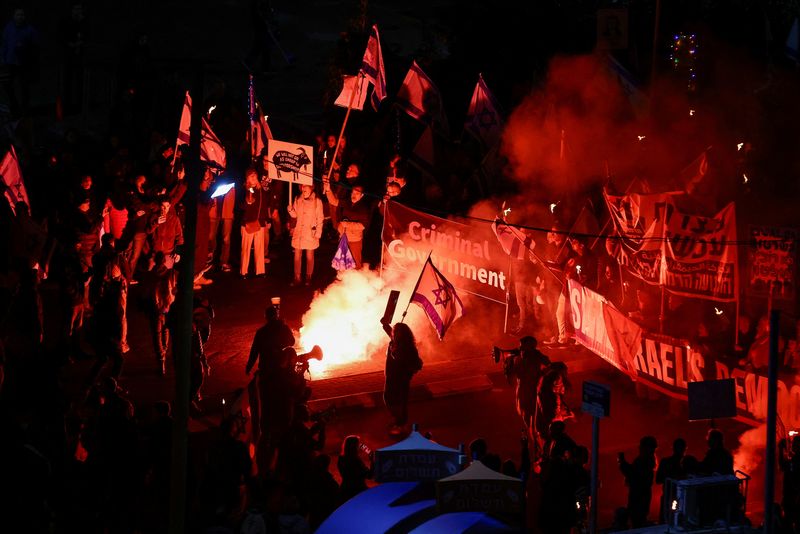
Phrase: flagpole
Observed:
(416, 286)
(508, 296)
(250, 114)
(359, 77)
(383, 227)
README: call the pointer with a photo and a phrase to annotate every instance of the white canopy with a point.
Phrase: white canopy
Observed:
(417, 442)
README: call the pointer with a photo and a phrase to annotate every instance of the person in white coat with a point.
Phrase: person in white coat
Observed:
(306, 211)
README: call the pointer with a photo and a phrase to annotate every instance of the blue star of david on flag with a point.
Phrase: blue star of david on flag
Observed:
(438, 298)
(483, 116)
(343, 259)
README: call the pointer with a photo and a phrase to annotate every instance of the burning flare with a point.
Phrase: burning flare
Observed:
(345, 320)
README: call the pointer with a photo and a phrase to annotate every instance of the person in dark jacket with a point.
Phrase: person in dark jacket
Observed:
(267, 352)
(352, 469)
(639, 476)
(402, 362)
(255, 208)
(671, 468)
(109, 316)
(718, 460)
(354, 213)
(140, 206)
(527, 370)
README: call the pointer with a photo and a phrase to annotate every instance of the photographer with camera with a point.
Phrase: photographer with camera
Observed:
(526, 365)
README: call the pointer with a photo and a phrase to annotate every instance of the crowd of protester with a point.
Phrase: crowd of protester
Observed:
(106, 230)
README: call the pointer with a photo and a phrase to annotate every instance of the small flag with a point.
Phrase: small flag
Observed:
(211, 150)
(483, 118)
(514, 241)
(693, 174)
(793, 42)
(372, 67)
(420, 98)
(260, 133)
(12, 178)
(343, 259)
(350, 84)
(438, 298)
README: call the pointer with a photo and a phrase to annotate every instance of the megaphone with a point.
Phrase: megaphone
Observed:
(314, 354)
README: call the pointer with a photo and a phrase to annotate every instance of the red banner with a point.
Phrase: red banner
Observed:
(689, 255)
(469, 256)
(771, 262)
(668, 364)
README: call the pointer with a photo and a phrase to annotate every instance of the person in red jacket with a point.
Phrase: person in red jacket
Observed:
(165, 231)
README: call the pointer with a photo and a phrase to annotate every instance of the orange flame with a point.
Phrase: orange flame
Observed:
(345, 321)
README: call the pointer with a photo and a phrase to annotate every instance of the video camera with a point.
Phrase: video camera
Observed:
(301, 362)
(508, 356)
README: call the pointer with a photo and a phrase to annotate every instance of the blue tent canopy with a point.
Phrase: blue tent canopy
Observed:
(375, 510)
(405, 507)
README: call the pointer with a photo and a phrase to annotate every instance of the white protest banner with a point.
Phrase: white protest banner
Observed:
(291, 162)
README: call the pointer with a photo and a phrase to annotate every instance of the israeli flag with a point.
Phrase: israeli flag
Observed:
(343, 259)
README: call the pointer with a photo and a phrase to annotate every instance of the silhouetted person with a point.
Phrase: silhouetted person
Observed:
(718, 460)
(299, 444)
(402, 362)
(550, 399)
(227, 469)
(528, 368)
(671, 467)
(790, 467)
(352, 469)
(639, 476)
(558, 443)
(268, 343)
(109, 318)
(321, 491)
(478, 449)
(557, 512)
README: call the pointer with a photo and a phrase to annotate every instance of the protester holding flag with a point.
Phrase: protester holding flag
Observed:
(337, 191)
(353, 214)
(402, 362)
(306, 211)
